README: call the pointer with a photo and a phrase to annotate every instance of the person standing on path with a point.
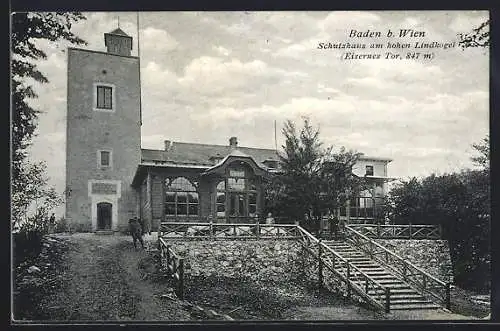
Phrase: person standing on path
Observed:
(136, 230)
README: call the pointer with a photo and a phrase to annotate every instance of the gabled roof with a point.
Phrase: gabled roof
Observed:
(200, 154)
(374, 158)
(234, 155)
(119, 31)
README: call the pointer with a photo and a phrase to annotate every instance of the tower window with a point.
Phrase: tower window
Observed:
(104, 97)
(104, 159)
(369, 170)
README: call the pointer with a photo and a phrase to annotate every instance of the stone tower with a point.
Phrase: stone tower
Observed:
(103, 135)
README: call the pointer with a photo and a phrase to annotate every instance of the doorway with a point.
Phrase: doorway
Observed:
(238, 212)
(104, 215)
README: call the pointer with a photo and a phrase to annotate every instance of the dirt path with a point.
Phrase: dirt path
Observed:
(106, 279)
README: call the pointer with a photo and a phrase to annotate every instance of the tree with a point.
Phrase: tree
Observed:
(28, 182)
(31, 191)
(312, 179)
(483, 148)
(338, 183)
(479, 37)
(27, 28)
(460, 203)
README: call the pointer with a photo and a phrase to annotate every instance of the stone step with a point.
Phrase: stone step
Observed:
(400, 296)
(365, 264)
(377, 278)
(346, 251)
(343, 250)
(394, 291)
(414, 306)
(409, 301)
(389, 283)
(358, 259)
(372, 269)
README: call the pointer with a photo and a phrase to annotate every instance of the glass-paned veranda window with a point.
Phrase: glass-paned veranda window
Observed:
(237, 194)
(181, 197)
(220, 201)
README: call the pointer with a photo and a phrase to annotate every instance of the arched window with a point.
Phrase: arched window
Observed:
(181, 197)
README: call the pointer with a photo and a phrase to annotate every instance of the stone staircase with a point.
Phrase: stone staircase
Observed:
(402, 295)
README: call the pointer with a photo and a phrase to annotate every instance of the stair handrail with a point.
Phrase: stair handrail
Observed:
(363, 293)
(446, 286)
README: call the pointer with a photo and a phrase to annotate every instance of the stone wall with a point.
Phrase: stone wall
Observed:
(433, 256)
(263, 260)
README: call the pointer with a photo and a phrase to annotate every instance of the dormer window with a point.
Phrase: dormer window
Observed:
(369, 170)
(216, 158)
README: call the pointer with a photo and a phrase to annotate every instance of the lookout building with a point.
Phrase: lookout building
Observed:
(110, 178)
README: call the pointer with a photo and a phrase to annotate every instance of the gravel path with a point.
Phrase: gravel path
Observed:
(106, 279)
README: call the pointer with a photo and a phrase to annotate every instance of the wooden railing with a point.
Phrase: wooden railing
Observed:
(354, 279)
(220, 231)
(173, 264)
(423, 281)
(409, 231)
(378, 295)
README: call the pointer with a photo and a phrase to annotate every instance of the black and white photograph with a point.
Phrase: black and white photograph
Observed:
(257, 166)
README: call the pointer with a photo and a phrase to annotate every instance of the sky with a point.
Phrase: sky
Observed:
(207, 76)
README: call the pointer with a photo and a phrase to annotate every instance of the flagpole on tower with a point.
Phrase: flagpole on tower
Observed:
(275, 140)
(139, 61)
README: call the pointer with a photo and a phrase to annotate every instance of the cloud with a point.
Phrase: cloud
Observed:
(347, 20)
(222, 50)
(464, 23)
(215, 75)
(157, 40)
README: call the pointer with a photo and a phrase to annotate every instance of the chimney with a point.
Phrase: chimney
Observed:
(167, 144)
(233, 142)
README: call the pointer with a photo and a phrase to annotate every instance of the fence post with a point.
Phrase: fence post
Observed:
(378, 230)
(181, 278)
(409, 228)
(168, 259)
(320, 266)
(211, 229)
(257, 230)
(387, 299)
(448, 295)
(348, 280)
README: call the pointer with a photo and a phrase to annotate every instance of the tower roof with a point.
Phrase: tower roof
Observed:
(119, 31)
